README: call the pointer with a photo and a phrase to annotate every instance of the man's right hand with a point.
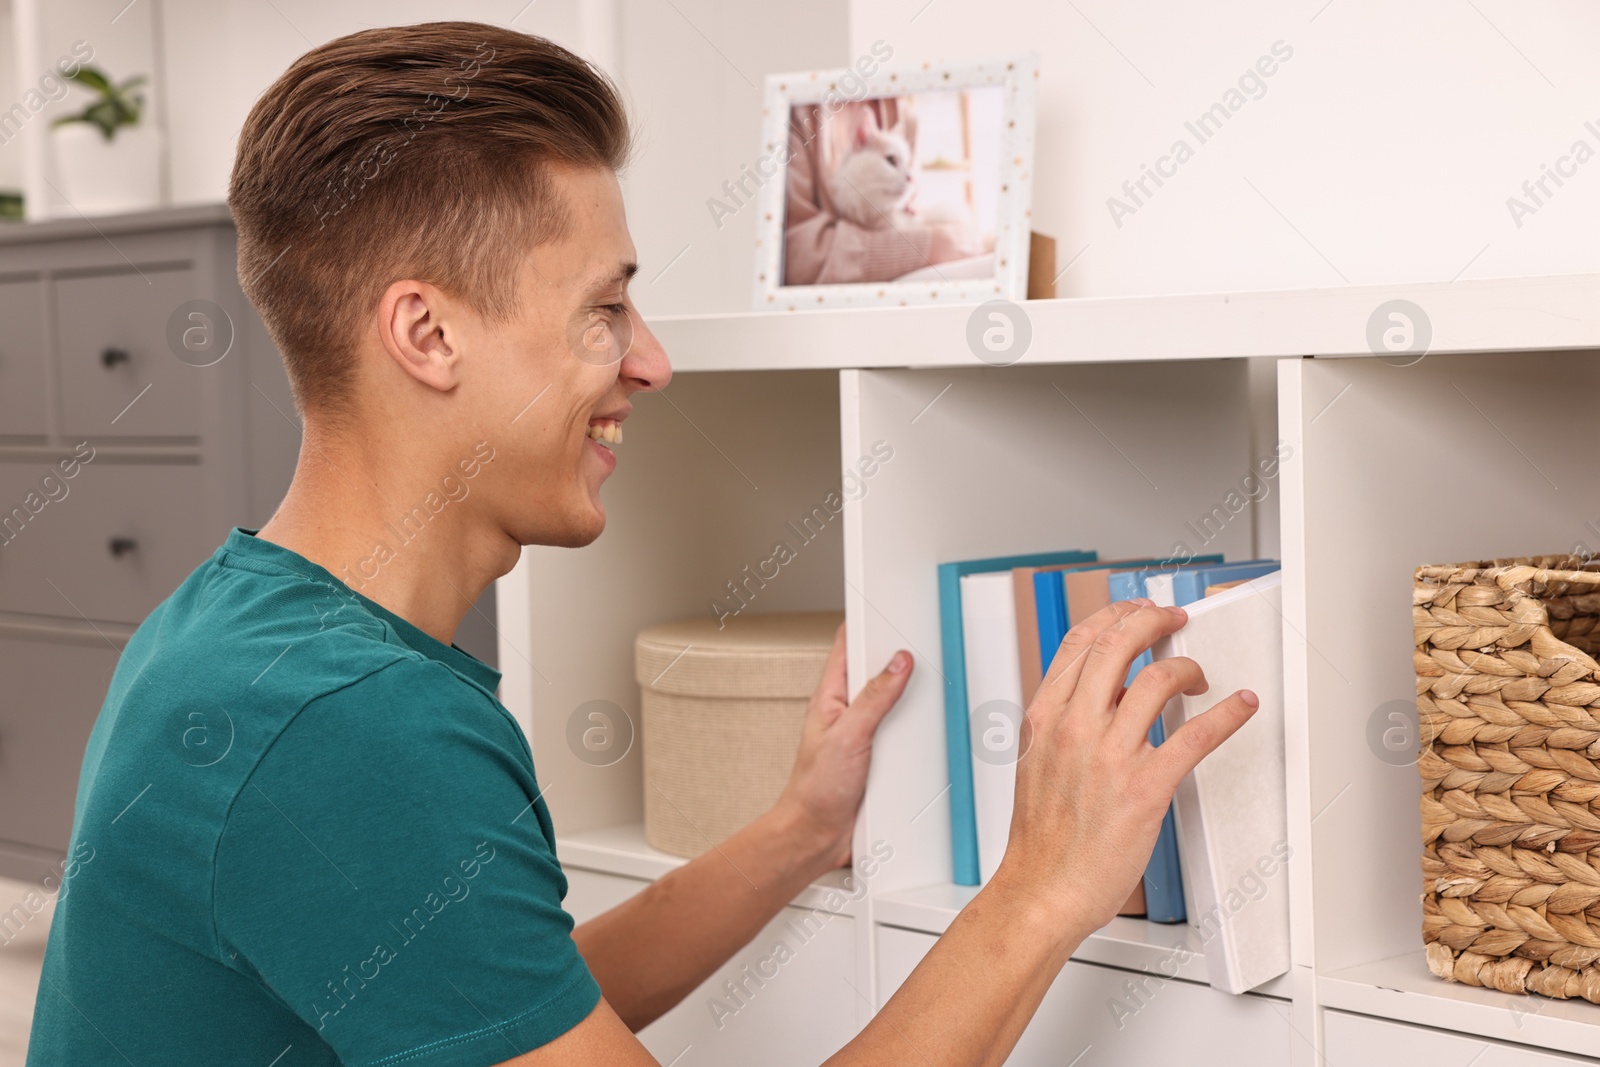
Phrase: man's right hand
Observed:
(1091, 789)
(1091, 792)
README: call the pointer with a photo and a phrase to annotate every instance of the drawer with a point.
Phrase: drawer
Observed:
(1381, 1043)
(1105, 1016)
(24, 362)
(111, 341)
(794, 1007)
(53, 694)
(113, 546)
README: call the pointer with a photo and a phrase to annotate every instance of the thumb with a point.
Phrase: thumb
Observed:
(881, 692)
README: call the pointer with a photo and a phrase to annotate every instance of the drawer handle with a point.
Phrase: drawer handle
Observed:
(121, 546)
(110, 357)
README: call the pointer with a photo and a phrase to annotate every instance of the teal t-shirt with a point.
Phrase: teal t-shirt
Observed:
(306, 833)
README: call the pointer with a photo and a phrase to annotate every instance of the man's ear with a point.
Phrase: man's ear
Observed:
(412, 325)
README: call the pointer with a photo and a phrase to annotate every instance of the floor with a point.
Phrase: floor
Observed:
(19, 973)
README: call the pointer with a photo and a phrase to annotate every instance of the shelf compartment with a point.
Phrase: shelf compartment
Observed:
(1127, 943)
(712, 470)
(1402, 988)
(1472, 457)
(987, 462)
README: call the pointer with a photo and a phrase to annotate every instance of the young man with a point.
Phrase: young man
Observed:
(313, 835)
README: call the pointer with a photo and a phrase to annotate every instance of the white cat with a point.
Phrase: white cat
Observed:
(874, 186)
(873, 182)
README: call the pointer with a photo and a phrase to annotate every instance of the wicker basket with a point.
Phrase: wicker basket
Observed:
(722, 711)
(1508, 695)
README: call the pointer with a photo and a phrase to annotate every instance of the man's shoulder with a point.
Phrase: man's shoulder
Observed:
(257, 634)
(238, 654)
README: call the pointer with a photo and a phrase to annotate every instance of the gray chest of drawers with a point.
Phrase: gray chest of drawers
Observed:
(143, 413)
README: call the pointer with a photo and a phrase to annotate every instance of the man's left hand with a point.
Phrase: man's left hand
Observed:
(830, 770)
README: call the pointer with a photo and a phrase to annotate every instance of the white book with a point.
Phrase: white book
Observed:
(1233, 822)
(989, 637)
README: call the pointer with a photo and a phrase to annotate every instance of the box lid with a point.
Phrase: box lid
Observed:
(778, 655)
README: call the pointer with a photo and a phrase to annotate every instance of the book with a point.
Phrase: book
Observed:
(1233, 806)
(1087, 592)
(994, 707)
(958, 751)
(1183, 585)
(1163, 877)
(1042, 615)
(1070, 595)
(1179, 588)
(1189, 585)
(1032, 656)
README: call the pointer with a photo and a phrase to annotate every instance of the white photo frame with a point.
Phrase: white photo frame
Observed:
(821, 148)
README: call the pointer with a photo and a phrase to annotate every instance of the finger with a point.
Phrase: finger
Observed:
(1152, 688)
(881, 692)
(834, 685)
(1113, 652)
(1200, 736)
(1061, 679)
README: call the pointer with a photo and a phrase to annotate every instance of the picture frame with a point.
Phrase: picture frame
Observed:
(886, 184)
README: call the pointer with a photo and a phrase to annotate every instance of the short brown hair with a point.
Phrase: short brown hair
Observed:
(406, 152)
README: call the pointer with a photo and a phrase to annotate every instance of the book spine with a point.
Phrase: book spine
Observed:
(1029, 666)
(1186, 589)
(1049, 594)
(1163, 875)
(958, 749)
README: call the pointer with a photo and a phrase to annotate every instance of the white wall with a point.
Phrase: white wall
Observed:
(1390, 141)
(1383, 150)
(10, 161)
(222, 54)
(694, 71)
(691, 71)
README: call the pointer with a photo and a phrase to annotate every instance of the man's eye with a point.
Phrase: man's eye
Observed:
(603, 334)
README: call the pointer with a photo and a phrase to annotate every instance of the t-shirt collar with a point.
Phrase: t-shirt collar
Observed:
(245, 543)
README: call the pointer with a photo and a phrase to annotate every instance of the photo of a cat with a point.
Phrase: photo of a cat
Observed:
(899, 184)
(894, 189)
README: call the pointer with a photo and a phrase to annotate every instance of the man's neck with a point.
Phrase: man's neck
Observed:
(389, 527)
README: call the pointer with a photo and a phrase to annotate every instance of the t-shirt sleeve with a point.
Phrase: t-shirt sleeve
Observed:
(388, 873)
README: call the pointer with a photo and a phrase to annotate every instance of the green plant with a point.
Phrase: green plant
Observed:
(116, 106)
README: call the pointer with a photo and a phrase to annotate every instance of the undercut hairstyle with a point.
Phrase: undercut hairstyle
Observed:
(407, 152)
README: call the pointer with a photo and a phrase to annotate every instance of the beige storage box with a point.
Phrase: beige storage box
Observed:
(722, 711)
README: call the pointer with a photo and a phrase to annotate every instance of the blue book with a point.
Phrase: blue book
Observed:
(1163, 875)
(958, 742)
(1050, 609)
(1191, 585)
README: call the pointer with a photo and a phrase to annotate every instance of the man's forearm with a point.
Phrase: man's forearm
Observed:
(650, 951)
(968, 1001)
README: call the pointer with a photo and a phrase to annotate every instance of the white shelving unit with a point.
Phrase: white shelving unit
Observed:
(1127, 422)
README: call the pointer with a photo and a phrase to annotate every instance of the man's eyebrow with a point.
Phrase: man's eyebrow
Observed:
(622, 275)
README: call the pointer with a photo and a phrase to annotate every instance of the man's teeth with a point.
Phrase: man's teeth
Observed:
(609, 432)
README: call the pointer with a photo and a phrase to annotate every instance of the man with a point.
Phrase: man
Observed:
(351, 862)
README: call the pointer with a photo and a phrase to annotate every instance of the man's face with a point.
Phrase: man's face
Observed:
(563, 367)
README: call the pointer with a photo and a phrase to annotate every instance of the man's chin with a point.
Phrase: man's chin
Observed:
(571, 524)
(583, 529)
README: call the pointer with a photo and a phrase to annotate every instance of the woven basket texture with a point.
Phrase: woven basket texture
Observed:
(1508, 700)
(722, 712)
